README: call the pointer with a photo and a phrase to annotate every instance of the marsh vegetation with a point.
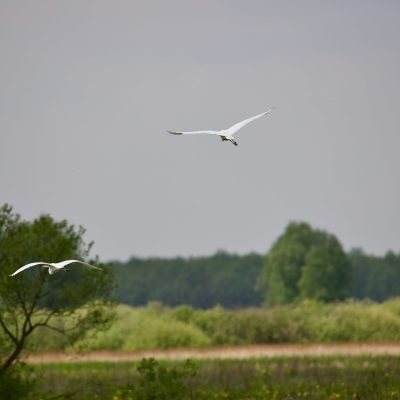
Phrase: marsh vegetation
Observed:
(279, 378)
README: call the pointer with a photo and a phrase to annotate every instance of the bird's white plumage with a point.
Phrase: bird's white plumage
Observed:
(194, 132)
(234, 128)
(53, 266)
(63, 264)
(225, 134)
(28, 266)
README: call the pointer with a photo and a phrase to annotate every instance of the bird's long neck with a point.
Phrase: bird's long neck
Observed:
(52, 269)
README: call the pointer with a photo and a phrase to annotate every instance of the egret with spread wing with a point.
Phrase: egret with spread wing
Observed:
(52, 267)
(225, 134)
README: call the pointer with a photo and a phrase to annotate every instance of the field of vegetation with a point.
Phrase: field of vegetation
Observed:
(277, 378)
(307, 280)
(157, 326)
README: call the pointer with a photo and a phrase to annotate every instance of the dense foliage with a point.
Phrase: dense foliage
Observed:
(33, 301)
(202, 282)
(303, 263)
(157, 326)
(376, 278)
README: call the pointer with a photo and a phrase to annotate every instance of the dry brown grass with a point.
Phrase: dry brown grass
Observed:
(224, 352)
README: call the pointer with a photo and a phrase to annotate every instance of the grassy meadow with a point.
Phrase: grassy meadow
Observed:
(278, 378)
(157, 326)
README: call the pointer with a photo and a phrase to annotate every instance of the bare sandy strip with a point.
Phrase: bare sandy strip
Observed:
(224, 352)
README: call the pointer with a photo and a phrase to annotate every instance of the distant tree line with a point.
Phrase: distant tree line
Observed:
(303, 263)
(225, 279)
(376, 278)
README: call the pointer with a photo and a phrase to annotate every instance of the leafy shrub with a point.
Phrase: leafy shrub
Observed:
(146, 327)
(183, 313)
(161, 382)
(158, 326)
(354, 321)
(17, 383)
(393, 305)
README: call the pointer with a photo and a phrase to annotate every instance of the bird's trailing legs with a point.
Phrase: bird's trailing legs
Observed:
(233, 141)
(225, 139)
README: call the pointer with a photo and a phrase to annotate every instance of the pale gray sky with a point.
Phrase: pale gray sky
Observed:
(88, 88)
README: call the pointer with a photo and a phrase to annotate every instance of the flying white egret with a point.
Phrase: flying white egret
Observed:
(226, 134)
(52, 267)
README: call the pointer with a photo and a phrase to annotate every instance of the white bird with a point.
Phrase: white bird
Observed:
(52, 267)
(226, 134)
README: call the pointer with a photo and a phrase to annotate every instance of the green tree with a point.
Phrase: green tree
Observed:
(203, 282)
(35, 300)
(326, 271)
(375, 277)
(304, 263)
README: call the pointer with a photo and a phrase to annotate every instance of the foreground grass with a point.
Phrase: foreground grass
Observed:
(279, 378)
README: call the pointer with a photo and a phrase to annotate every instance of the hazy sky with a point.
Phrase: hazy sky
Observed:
(88, 89)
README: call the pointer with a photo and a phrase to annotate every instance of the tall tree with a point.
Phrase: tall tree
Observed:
(326, 272)
(304, 262)
(33, 299)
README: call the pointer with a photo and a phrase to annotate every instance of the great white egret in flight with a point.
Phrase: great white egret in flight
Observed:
(52, 267)
(226, 134)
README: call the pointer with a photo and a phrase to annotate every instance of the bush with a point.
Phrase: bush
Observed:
(157, 326)
(306, 321)
(160, 382)
(17, 383)
(146, 328)
(355, 321)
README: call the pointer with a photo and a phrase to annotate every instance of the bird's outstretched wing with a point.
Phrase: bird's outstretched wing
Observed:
(28, 266)
(193, 132)
(241, 124)
(62, 264)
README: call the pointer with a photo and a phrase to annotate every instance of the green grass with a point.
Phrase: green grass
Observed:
(277, 378)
